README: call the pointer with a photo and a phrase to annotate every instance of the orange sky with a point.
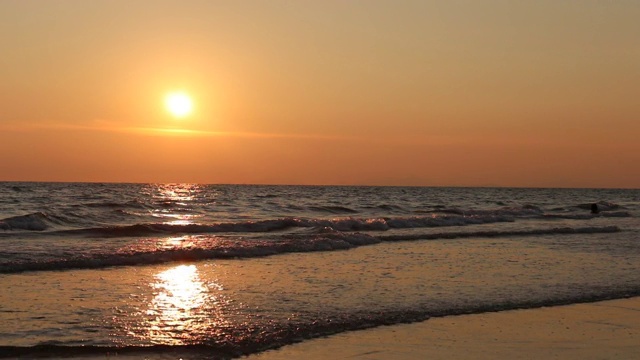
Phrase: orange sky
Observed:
(450, 93)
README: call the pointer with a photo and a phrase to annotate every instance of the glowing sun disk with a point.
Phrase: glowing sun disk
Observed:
(179, 104)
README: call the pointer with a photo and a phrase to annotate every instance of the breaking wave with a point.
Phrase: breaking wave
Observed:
(35, 222)
(213, 247)
(340, 224)
(130, 221)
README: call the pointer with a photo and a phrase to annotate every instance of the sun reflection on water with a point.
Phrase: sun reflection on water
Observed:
(177, 192)
(176, 203)
(180, 291)
(183, 307)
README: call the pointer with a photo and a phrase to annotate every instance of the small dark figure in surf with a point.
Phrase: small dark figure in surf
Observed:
(594, 209)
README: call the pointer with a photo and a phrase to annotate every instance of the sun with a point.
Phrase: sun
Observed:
(179, 104)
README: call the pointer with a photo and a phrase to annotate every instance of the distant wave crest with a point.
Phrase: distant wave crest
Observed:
(339, 224)
(35, 222)
(71, 223)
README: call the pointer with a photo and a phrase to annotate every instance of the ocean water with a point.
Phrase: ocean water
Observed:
(219, 271)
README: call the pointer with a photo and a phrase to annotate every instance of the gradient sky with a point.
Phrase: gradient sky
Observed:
(447, 93)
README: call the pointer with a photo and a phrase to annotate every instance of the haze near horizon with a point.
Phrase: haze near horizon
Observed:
(446, 93)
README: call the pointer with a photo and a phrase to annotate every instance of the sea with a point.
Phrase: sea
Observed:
(193, 271)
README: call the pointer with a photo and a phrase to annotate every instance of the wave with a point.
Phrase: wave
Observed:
(211, 247)
(35, 222)
(387, 207)
(340, 224)
(588, 216)
(49, 351)
(489, 233)
(333, 209)
(525, 211)
(82, 224)
(266, 196)
(519, 211)
(236, 343)
(136, 204)
(602, 206)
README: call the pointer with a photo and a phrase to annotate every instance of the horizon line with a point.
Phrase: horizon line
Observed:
(322, 185)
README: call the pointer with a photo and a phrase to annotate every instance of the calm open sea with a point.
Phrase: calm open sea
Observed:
(218, 271)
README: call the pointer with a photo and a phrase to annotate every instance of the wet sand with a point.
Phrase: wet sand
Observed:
(602, 330)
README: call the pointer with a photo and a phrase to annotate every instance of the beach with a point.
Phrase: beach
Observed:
(601, 330)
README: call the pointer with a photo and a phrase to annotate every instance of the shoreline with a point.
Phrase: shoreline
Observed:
(601, 330)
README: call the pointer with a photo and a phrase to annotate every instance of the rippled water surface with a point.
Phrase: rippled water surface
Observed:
(206, 271)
